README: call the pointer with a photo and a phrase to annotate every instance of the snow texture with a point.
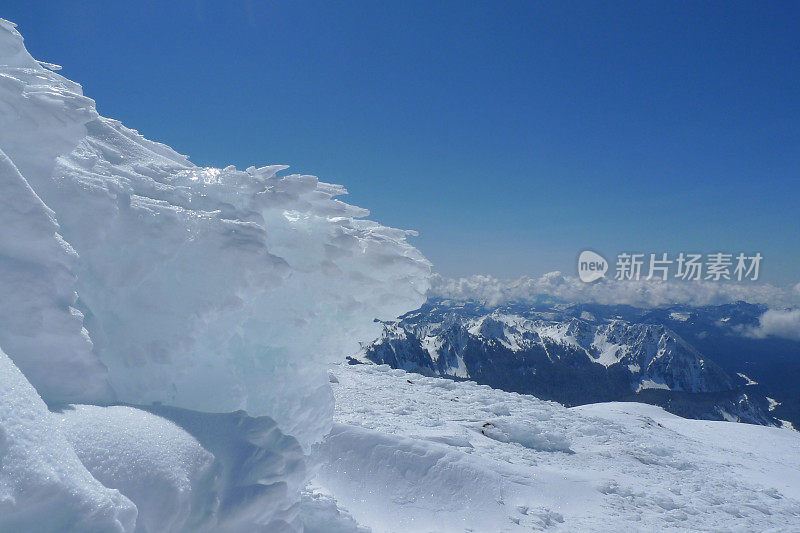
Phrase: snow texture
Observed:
(43, 484)
(418, 454)
(189, 471)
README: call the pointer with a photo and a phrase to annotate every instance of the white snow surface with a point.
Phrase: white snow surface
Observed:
(748, 381)
(190, 471)
(149, 459)
(43, 484)
(414, 453)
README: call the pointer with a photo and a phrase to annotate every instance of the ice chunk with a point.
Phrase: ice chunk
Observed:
(42, 481)
(204, 288)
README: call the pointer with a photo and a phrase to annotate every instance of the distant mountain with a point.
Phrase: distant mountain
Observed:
(584, 353)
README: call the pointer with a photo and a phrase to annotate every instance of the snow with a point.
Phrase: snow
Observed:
(43, 484)
(773, 403)
(179, 321)
(432, 344)
(608, 352)
(204, 288)
(651, 384)
(148, 459)
(321, 514)
(679, 316)
(189, 471)
(128, 275)
(423, 456)
(747, 380)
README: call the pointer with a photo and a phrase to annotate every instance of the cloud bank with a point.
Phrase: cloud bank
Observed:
(784, 323)
(494, 291)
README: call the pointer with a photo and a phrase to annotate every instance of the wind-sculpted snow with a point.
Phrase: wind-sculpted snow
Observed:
(148, 459)
(204, 288)
(417, 454)
(39, 324)
(43, 485)
(190, 471)
(128, 275)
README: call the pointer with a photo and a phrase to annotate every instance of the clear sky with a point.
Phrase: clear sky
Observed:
(511, 135)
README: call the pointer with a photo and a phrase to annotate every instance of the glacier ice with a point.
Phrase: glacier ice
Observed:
(203, 288)
(43, 484)
(146, 298)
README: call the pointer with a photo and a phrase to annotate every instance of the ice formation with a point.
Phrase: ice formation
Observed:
(38, 323)
(210, 289)
(128, 275)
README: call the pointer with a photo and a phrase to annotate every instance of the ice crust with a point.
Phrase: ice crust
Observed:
(178, 319)
(203, 288)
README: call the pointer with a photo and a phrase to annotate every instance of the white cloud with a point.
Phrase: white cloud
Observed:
(783, 323)
(494, 291)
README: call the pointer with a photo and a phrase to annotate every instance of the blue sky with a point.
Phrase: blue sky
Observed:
(512, 135)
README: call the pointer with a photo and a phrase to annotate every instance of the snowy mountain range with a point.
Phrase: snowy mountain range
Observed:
(573, 354)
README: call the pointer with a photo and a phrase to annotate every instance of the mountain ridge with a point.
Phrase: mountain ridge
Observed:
(575, 354)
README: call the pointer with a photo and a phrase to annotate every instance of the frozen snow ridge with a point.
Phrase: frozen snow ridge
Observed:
(128, 275)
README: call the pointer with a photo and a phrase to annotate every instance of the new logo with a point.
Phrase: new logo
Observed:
(591, 266)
